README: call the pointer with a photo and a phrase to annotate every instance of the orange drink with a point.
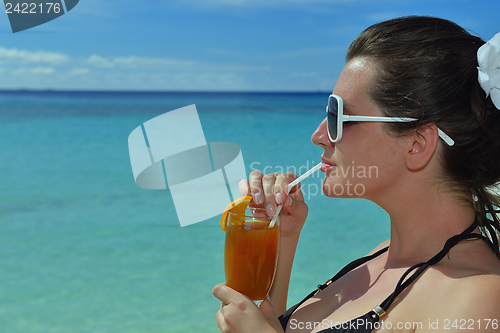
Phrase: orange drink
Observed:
(250, 254)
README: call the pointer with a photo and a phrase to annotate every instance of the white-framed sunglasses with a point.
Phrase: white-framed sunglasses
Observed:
(336, 119)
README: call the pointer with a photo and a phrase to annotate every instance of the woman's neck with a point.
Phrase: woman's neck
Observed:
(422, 221)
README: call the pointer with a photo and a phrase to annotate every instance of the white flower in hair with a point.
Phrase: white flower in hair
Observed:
(488, 57)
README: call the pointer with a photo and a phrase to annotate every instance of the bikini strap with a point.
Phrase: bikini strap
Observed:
(349, 267)
(283, 318)
(403, 283)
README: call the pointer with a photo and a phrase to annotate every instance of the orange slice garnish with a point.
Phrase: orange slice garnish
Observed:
(238, 206)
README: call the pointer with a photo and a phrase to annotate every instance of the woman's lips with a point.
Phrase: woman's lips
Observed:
(326, 166)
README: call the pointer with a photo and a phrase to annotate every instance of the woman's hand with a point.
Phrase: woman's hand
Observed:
(238, 314)
(269, 191)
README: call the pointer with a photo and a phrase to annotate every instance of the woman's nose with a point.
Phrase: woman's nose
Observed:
(320, 136)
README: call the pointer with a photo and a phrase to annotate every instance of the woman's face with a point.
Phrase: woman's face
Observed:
(367, 160)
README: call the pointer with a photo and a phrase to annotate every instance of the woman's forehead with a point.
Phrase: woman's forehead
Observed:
(353, 83)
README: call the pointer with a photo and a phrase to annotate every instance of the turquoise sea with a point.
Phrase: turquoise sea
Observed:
(84, 249)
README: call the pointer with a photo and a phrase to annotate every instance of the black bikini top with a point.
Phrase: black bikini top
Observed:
(370, 321)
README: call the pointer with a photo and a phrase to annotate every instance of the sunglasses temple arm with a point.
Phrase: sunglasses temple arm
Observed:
(373, 118)
(449, 141)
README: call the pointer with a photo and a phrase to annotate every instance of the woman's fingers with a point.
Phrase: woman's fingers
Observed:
(219, 319)
(238, 314)
(281, 186)
(244, 187)
(230, 296)
(224, 293)
(269, 191)
(294, 211)
(256, 190)
(268, 186)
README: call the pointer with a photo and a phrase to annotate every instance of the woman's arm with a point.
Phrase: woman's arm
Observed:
(279, 291)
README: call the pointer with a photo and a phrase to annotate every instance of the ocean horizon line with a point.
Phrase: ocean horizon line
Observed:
(118, 91)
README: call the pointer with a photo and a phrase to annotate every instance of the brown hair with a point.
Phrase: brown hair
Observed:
(427, 70)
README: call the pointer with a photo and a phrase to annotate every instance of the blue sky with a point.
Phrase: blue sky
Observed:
(215, 45)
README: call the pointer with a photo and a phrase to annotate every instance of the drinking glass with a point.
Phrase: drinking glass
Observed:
(251, 253)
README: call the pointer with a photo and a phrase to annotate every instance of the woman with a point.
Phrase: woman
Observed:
(436, 163)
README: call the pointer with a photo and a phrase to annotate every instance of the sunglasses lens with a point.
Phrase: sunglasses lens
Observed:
(333, 117)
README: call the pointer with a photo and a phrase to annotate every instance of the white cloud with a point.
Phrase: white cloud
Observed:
(158, 64)
(41, 69)
(34, 71)
(79, 71)
(15, 54)
(135, 61)
(99, 61)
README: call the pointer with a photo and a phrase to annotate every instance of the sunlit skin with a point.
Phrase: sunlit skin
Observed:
(424, 212)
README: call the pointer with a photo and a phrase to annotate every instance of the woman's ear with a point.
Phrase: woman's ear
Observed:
(422, 146)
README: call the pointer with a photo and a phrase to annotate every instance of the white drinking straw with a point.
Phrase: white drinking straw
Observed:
(292, 184)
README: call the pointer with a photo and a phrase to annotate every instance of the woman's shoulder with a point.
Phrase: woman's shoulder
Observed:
(471, 298)
(379, 247)
(470, 284)
(477, 278)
